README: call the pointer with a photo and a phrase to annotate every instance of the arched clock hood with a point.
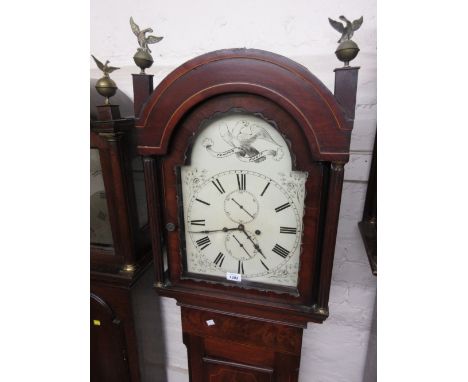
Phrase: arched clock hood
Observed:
(288, 84)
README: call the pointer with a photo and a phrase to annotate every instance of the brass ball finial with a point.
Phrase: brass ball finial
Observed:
(105, 86)
(143, 60)
(347, 51)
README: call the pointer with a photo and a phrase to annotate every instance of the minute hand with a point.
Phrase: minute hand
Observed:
(224, 229)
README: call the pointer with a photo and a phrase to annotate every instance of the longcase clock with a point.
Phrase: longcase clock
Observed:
(243, 160)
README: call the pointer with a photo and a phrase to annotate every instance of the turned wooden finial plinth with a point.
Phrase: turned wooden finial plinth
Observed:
(108, 112)
(346, 79)
(142, 89)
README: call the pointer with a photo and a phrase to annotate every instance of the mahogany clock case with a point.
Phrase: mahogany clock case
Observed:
(305, 113)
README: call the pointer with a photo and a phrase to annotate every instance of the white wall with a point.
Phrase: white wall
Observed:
(343, 348)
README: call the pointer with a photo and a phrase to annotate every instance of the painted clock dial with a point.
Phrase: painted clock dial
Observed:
(242, 203)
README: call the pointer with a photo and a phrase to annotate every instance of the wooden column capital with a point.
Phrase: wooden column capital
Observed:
(108, 112)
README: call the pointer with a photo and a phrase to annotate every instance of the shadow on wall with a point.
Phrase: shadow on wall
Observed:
(370, 368)
(149, 330)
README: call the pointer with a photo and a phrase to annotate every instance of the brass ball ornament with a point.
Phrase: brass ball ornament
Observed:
(143, 60)
(347, 51)
(106, 87)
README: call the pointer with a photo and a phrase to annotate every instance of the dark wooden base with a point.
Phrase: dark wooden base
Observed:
(114, 354)
(222, 347)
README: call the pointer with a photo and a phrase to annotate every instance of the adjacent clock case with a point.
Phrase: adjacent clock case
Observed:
(120, 245)
(308, 116)
(119, 222)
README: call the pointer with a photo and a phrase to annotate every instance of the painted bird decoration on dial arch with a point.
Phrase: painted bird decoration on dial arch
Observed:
(244, 135)
(347, 29)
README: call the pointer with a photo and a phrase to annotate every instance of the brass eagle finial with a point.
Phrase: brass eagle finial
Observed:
(105, 86)
(347, 49)
(143, 41)
(105, 68)
(347, 29)
(143, 57)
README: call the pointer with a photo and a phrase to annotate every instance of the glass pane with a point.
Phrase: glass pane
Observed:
(101, 233)
(140, 192)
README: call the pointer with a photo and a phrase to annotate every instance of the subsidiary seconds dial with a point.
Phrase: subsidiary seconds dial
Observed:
(242, 222)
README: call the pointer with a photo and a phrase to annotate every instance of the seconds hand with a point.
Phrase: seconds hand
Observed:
(243, 209)
(242, 246)
(257, 247)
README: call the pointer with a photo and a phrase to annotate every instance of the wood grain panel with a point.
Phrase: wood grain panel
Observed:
(278, 338)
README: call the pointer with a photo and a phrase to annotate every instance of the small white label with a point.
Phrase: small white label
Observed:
(210, 322)
(234, 277)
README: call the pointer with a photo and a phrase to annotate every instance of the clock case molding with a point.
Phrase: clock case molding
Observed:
(317, 125)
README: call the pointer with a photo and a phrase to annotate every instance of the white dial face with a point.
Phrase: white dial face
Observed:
(243, 205)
